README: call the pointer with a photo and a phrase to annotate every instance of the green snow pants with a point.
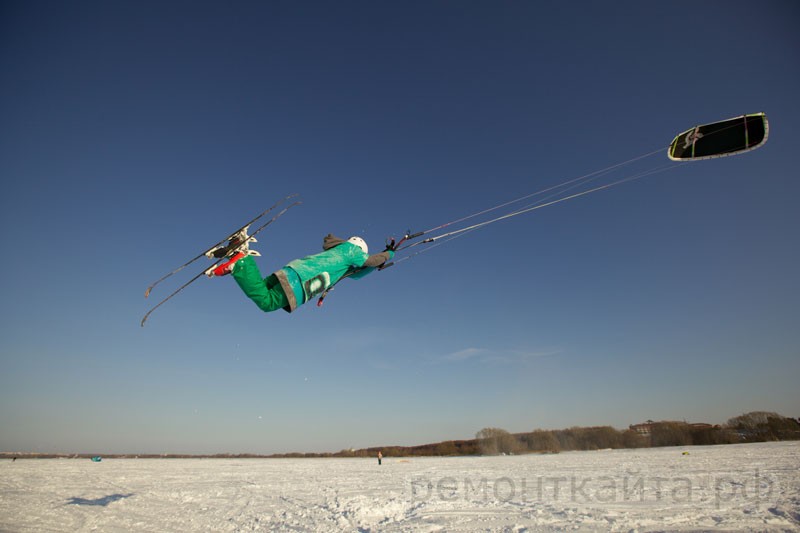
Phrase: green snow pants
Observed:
(267, 293)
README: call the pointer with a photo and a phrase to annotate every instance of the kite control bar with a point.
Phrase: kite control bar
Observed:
(392, 246)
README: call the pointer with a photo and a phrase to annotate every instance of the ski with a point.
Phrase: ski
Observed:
(220, 251)
(219, 245)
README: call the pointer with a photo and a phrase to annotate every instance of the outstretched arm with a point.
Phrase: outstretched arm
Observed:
(376, 260)
(372, 262)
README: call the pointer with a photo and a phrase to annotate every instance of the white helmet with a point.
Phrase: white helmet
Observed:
(358, 241)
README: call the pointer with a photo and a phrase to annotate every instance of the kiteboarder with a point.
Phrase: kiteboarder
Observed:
(314, 275)
(302, 279)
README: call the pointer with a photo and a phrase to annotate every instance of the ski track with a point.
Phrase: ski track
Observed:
(724, 488)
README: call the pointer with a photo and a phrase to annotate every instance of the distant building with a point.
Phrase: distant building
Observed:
(646, 429)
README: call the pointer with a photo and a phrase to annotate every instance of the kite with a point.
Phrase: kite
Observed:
(719, 139)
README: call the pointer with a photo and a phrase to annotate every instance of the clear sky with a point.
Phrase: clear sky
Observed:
(135, 134)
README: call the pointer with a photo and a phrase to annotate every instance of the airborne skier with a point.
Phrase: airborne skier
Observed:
(301, 279)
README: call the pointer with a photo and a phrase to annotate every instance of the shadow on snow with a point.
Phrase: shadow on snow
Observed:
(104, 501)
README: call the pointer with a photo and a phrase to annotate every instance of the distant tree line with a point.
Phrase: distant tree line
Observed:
(756, 426)
(762, 426)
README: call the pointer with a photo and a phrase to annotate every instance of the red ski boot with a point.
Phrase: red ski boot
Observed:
(227, 267)
(237, 248)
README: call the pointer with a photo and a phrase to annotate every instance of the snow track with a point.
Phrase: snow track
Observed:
(739, 487)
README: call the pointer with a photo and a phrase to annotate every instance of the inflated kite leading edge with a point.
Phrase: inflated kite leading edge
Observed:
(719, 139)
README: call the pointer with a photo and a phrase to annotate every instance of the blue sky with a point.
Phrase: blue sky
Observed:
(135, 134)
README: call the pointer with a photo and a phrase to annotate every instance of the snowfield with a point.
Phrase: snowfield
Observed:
(735, 487)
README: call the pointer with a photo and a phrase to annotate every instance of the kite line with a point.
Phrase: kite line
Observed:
(714, 140)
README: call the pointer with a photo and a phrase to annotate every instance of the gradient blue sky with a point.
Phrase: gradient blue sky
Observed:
(134, 134)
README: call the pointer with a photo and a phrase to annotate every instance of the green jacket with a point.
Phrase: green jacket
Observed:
(305, 278)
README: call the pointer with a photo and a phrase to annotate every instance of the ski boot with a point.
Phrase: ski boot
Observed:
(237, 248)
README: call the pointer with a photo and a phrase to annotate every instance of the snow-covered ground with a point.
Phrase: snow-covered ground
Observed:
(737, 487)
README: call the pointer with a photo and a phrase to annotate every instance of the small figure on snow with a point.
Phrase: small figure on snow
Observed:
(302, 279)
(380, 458)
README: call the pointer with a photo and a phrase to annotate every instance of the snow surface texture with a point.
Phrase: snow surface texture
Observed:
(736, 487)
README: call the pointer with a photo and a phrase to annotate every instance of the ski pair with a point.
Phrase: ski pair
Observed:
(235, 242)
